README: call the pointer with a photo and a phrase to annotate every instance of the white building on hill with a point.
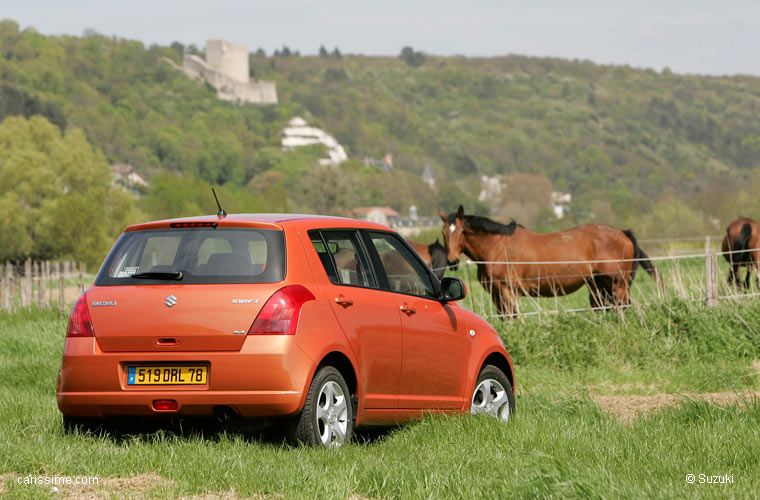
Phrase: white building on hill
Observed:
(298, 133)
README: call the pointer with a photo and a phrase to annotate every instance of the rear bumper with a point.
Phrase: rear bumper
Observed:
(267, 377)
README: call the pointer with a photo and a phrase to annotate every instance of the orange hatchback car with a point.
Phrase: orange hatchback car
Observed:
(330, 322)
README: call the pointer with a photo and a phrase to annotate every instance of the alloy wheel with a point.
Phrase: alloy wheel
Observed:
(490, 398)
(332, 415)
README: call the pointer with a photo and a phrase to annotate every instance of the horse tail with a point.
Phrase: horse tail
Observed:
(643, 259)
(742, 243)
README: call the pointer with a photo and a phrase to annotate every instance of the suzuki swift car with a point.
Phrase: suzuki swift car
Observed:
(330, 323)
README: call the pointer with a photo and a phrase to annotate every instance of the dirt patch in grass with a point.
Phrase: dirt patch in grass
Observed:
(135, 488)
(229, 495)
(628, 408)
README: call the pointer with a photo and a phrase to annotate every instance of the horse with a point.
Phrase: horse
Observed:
(607, 260)
(434, 256)
(741, 235)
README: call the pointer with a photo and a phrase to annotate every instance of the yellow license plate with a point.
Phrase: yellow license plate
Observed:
(167, 375)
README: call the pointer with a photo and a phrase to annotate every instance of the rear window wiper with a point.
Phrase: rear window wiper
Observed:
(159, 275)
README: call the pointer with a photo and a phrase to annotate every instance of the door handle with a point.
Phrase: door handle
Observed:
(407, 309)
(344, 301)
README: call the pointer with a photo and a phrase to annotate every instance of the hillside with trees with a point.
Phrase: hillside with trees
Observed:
(665, 154)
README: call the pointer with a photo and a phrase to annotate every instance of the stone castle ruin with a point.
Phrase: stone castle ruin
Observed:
(226, 68)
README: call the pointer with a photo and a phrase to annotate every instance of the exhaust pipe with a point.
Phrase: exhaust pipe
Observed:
(225, 415)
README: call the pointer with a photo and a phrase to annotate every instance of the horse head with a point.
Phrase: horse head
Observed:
(439, 260)
(453, 235)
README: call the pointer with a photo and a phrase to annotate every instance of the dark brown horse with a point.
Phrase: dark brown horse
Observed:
(434, 256)
(741, 235)
(546, 265)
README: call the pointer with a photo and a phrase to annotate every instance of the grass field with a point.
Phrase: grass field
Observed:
(561, 444)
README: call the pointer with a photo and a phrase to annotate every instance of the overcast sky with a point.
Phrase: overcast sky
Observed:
(688, 36)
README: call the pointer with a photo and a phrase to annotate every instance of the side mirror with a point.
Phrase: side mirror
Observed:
(452, 289)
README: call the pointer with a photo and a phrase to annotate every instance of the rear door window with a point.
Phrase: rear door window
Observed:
(404, 271)
(202, 255)
(343, 257)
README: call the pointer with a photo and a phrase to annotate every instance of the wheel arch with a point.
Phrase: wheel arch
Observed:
(498, 360)
(343, 364)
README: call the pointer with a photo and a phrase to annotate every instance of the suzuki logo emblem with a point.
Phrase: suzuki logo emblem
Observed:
(171, 300)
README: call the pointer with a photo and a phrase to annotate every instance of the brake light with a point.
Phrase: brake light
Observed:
(193, 224)
(80, 324)
(279, 316)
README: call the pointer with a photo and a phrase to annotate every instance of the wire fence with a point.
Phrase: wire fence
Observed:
(689, 276)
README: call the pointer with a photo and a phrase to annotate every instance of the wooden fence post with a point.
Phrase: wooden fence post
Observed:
(4, 291)
(711, 280)
(61, 285)
(36, 280)
(26, 284)
(42, 290)
(470, 290)
(81, 283)
(8, 284)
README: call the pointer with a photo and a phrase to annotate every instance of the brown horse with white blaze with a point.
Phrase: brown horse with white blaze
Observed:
(743, 238)
(513, 261)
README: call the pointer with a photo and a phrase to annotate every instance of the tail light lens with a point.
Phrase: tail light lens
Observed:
(80, 324)
(279, 316)
(165, 404)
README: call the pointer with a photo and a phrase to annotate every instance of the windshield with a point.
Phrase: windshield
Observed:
(196, 255)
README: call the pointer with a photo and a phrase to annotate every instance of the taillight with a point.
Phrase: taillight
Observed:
(165, 404)
(80, 324)
(279, 316)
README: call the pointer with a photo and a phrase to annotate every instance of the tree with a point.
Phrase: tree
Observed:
(323, 51)
(524, 196)
(14, 101)
(178, 48)
(412, 58)
(450, 196)
(57, 194)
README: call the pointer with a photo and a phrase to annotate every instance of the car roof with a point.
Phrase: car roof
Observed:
(303, 221)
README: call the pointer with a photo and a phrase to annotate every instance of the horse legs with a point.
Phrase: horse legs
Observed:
(747, 277)
(506, 300)
(733, 274)
(600, 292)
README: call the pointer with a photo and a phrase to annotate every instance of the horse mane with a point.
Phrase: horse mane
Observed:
(485, 224)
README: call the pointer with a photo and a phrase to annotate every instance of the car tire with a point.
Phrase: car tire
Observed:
(327, 418)
(493, 394)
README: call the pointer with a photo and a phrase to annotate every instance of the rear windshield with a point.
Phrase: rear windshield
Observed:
(195, 255)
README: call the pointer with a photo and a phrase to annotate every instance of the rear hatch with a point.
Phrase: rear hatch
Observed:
(185, 289)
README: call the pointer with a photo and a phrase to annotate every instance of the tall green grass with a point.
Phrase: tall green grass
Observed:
(558, 445)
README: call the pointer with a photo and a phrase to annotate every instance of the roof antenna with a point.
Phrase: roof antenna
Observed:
(221, 213)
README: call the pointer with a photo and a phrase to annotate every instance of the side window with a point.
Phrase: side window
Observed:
(343, 258)
(405, 273)
(324, 255)
(158, 251)
(209, 247)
